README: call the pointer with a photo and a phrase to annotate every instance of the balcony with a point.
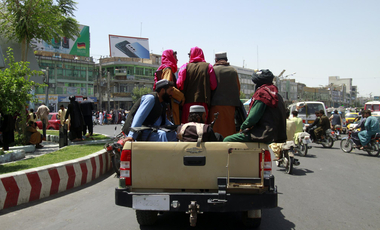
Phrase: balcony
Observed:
(121, 94)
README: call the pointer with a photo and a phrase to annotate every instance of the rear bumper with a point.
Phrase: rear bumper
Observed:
(208, 202)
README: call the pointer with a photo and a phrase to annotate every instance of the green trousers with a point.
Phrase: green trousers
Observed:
(238, 137)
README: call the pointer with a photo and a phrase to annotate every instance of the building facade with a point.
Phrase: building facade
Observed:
(67, 75)
(118, 76)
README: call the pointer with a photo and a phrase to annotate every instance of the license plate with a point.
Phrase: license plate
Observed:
(153, 202)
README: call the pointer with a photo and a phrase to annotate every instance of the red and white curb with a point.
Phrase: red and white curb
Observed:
(33, 184)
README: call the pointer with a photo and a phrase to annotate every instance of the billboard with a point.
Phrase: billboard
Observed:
(121, 46)
(80, 46)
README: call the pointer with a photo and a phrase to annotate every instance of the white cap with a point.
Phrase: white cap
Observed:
(220, 55)
(197, 109)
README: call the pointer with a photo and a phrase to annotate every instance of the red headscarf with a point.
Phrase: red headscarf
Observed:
(167, 60)
(267, 94)
(196, 55)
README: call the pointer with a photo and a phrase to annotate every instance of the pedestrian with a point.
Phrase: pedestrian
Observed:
(32, 116)
(150, 111)
(42, 113)
(33, 136)
(63, 127)
(167, 71)
(87, 107)
(196, 79)
(226, 97)
(100, 118)
(7, 129)
(266, 121)
(76, 119)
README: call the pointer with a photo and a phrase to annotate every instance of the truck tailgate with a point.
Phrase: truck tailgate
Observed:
(183, 165)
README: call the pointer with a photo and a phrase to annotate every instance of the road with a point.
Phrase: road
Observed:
(329, 190)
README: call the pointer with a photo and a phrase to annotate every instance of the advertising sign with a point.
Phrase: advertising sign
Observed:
(121, 46)
(80, 46)
(53, 101)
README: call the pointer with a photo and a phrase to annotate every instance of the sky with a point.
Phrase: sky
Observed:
(313, 39)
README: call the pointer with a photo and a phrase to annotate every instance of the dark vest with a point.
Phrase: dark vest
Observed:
(336, 119)
(154, 114)
(272, 125)
(197, 83)
(227, 91)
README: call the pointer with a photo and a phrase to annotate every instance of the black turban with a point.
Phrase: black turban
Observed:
(262, 77)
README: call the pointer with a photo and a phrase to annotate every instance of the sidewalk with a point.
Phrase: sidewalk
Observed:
(49, 147)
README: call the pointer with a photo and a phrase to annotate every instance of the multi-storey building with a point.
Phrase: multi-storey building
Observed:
(245, 78)
(119, 76)
(68, 75)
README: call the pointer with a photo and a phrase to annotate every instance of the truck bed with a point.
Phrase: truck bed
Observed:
(164, 166)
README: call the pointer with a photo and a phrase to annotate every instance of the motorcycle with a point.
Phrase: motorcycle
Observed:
(347, 144)
(114, 149)
(328, 139)
(303, 144)
(287, 157)
(338, 131)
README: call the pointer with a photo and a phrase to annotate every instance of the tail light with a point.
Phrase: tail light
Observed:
(267, 164)
(125, 166)
(332, 132)
(303, 121)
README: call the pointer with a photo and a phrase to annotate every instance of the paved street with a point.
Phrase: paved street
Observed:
(329, 190)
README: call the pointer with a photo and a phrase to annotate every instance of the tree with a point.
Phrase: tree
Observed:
(15, 88)
(24, 20)
(242, 95)
(138, 92)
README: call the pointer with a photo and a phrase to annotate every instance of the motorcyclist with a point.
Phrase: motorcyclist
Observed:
(324, 124)
(299, 125)
(335, 119)
(361, 126)
(371, 128)
(310, 129)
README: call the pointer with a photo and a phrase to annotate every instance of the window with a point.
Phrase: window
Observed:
(139, 71)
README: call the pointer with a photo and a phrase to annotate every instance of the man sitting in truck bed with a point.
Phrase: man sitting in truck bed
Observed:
(150, 110)
(266, 120)
(196, 130)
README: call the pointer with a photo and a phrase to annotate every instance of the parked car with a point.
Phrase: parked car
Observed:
(53, 123)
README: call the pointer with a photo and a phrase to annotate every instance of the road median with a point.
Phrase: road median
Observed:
(37, 183)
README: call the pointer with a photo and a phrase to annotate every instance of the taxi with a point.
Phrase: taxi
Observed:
(350, 117)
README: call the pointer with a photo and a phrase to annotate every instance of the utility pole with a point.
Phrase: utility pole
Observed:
(47, 87)
(100, 88)
(108, 90)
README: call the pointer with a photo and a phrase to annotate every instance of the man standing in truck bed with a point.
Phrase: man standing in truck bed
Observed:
(196, 79)
(225, 98)
(150, 110)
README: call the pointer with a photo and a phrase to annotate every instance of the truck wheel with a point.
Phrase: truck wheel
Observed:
(145, 217)
(251, 223)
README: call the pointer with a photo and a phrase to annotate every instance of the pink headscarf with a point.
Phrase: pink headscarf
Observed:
(167, 60)
(196, 55)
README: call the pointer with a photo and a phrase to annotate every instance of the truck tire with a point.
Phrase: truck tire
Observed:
(251, 223)
(146, 218)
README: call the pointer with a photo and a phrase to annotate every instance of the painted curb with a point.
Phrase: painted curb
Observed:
(12, 156)
(37, 183)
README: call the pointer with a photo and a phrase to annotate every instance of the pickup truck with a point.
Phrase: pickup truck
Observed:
(183, 177)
